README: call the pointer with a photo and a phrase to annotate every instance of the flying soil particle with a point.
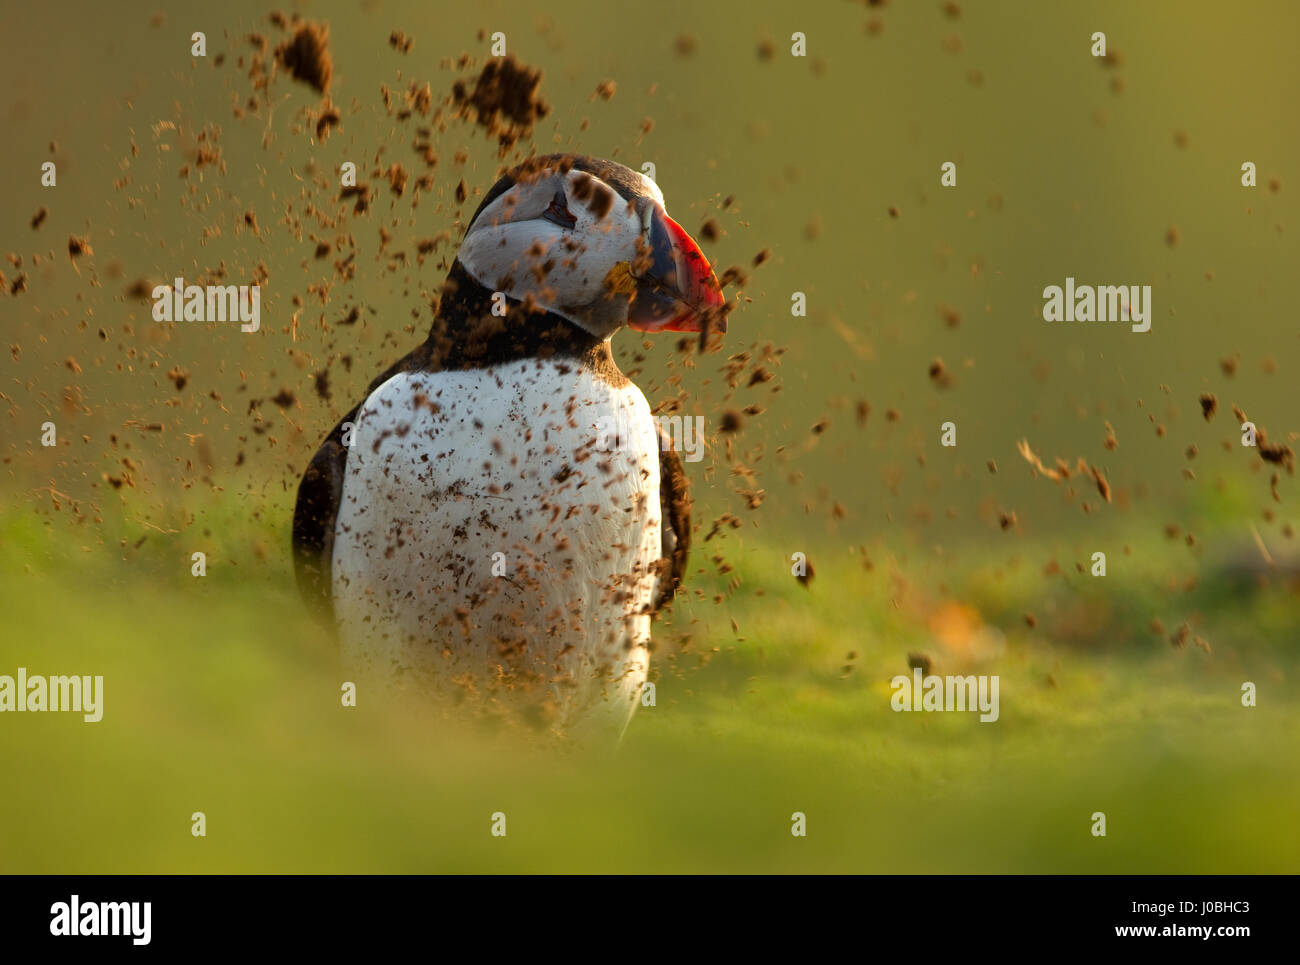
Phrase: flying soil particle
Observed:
(362, 194)
(710, 231)
(1276, 454)
(38, 219)
(504, 100)
(78, 247)
(1209, 405)
(734, 275)
(808, 573)
(1103, 486)
(397, 179)
(939, 374)
(598, 198)
(329, 119)
(307, 56)
(921, 662)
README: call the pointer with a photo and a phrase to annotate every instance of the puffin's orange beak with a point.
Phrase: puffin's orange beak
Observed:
(678, 292)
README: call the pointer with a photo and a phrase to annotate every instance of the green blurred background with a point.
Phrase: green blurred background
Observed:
(773, 697)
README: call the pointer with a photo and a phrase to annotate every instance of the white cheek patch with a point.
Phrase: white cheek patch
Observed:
(513, 249)
(521, 203)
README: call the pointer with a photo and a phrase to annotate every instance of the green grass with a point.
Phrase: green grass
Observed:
(219, 697)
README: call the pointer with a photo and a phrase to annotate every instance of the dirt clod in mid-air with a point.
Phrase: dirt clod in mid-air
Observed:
(307, 57)
(503, 100)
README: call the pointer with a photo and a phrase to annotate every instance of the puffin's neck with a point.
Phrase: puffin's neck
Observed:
(466, 335)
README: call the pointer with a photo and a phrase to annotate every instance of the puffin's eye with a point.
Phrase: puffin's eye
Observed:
(558, 212)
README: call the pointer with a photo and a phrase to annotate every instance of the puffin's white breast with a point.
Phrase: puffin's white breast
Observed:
(495, 534)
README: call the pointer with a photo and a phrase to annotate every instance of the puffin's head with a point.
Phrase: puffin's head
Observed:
(590, 240)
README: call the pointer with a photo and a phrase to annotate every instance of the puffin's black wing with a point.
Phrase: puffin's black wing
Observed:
(314, 515)
(317, 508)
(675, 506)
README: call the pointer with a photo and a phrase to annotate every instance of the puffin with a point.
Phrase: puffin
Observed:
(499, 520)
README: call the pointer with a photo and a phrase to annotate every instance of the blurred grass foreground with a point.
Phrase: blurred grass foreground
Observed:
(220, 697)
